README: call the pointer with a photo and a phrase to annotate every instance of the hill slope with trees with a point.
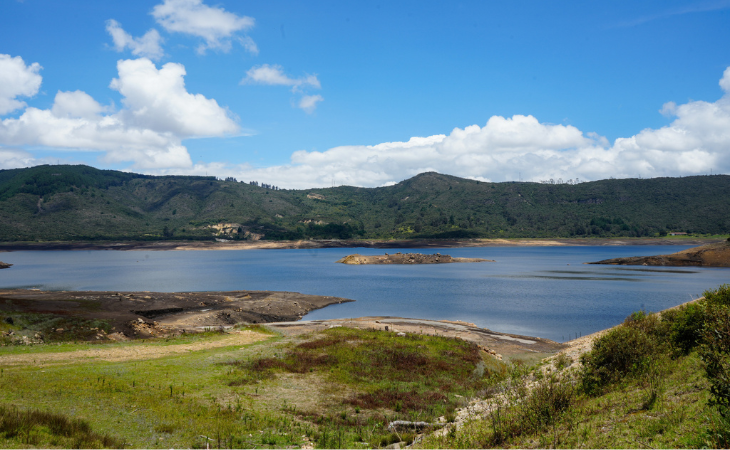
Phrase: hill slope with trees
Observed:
(82, 203)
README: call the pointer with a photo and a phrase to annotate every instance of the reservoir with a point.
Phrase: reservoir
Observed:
(536, 291)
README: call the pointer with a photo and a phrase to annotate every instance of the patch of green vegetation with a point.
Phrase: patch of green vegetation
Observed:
(385, 377)
(175, 401)
(33, 428)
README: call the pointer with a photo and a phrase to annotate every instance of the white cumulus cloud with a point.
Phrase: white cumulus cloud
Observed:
(149, 45)
(696, 141)
(216, 26)
(158, 114)
(157, 99)
(17, 80)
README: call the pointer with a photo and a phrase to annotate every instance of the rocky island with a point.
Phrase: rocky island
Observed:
(4, 265)
(710, 255)
(407, 258)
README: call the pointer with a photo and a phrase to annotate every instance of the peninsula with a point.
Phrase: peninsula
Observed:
(710, 255)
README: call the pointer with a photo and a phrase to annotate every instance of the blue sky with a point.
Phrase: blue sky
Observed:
(299, 94)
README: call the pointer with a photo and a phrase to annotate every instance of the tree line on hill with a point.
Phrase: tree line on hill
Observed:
(81, 203)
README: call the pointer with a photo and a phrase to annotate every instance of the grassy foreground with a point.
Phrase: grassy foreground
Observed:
(339, 388)
(655, 381)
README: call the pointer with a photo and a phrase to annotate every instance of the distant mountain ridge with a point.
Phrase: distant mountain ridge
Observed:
(66, 202)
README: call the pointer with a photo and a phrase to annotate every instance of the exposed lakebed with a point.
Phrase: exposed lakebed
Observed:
(534, 291)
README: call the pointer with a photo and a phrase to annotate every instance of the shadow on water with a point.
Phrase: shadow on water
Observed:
(656, 270)
(589, 278)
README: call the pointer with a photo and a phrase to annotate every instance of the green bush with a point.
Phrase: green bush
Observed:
(685, 325)
(648, 323)
(621, 352)
(715, 350)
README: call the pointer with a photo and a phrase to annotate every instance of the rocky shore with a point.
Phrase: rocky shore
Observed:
(711, 255)
(4, 265)
(148, 314)
(407, 258)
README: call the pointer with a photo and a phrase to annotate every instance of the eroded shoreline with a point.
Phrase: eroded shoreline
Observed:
(142, 314)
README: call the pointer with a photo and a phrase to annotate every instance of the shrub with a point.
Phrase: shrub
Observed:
(715, 350)
(648, 323)
(542, 408)
(685, 325)
(548, 400)
(617, 354)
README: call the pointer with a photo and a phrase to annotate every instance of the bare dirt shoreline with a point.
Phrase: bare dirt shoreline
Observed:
(336, 243)
(148, 314)
(144, 315)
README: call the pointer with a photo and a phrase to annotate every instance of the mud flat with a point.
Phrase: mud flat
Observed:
(407, 258)
(710, 255)
(147, 314)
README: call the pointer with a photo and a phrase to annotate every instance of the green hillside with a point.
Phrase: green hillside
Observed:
(83, 203)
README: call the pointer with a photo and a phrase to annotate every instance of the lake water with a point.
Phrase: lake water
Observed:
(536, 291)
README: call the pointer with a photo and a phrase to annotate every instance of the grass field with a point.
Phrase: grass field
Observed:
(338, 388)
(644, 386)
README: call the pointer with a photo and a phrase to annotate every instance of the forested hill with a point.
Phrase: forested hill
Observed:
(82, 203)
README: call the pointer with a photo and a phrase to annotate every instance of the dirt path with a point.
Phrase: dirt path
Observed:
(132, 352)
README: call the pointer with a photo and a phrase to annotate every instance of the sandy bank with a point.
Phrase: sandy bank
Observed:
(335, 243)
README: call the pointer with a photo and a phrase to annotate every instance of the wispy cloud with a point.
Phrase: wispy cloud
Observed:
(273, 75)
(147, 46)
(699, 7)
(216, 26)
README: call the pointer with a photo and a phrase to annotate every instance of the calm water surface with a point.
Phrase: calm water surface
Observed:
(537, 291)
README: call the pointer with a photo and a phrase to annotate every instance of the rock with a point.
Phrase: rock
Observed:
(118, 337)
(409, 258)
(4, 265)
(9, 320)
(401, 334)
(406, 425)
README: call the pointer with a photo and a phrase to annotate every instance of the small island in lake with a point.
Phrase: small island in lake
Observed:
(710, 255)
(4, 265)
(407, 258)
